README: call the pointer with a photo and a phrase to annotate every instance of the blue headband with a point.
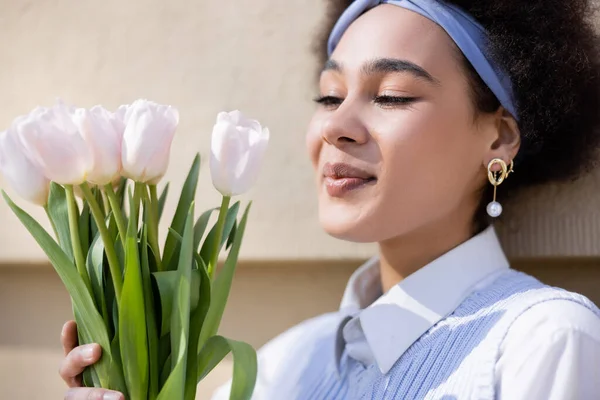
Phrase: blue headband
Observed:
(468, 34)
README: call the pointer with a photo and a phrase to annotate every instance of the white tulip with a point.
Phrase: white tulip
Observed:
(237, 150)
(149, 132)
(55, 144)
(18, 170)
(103, 133)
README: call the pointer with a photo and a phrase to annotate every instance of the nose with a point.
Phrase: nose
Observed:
(344, 127)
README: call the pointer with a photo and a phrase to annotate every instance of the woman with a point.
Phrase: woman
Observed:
(424, 108)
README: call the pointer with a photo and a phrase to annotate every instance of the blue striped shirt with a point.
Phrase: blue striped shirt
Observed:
(448, 331)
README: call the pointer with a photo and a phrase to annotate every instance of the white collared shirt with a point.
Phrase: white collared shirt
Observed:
(551, 352)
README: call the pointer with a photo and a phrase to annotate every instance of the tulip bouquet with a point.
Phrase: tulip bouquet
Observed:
(155, 310)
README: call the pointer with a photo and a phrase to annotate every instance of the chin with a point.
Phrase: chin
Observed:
(347, 224)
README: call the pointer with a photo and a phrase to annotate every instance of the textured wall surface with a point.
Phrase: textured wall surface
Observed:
(204, 57)
(265, 300)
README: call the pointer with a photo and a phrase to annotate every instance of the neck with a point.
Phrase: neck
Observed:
(406, 254)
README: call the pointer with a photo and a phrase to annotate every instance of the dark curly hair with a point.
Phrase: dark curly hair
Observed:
(551, 51)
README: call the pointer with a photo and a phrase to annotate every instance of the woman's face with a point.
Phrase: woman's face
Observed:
(395, 142)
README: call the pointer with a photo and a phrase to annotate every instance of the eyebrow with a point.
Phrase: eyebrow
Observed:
(386, 66)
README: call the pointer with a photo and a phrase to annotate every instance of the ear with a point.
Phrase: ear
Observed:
(503, 137)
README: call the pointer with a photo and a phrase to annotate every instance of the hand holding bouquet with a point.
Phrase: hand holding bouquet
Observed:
(154, 310)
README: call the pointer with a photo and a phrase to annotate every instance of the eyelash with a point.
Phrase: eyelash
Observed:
(384, 101)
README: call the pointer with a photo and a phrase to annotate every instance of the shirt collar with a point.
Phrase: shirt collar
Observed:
(363, 288)
(395, 320)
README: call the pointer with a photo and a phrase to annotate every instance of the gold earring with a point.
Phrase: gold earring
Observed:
(494, 209)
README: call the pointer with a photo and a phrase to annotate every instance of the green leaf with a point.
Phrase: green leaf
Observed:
(111, 306)
(93, 227)
(203, 294)
(213, 352)
(162, 200)
(151, 316)
(109, 294)
(200, 301)
(121, 191)
(59, 215)
(244, 364)
(231, 236)
(245, 367)
(191, 373)
(175, 385)
(188, 193)
(132, 318)
(113, 230)
(120, 251)
(164, 353)
(91, 324)
(222, 285)
(182, 301)
(200, 226)
(116, 379)
(84, 228)
(109, 288)
(209, 243)
(89, 380)
(95, 270)
(167, 283)
(196, 322)
(90, 377)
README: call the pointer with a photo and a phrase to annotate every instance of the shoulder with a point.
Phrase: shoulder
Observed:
(307, 330)
(516, 292)
(552, 350)
(539, 309)
(534, 315)
(553, 318)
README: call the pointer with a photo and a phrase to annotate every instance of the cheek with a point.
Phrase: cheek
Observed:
(422, 140)
(314, 140)
(434, 142)
(425, 166)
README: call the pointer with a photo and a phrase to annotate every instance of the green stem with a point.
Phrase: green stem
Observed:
(115, 206)
(220, 224)
(109, 246)
(154, 200)
(150, 205)
(105, 203)
(137, 198)
(75, 238)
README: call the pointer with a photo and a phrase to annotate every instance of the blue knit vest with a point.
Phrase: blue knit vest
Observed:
(454, 360)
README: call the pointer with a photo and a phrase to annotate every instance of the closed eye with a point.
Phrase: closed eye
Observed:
(328, 101)
(390, 101)
(383, 101)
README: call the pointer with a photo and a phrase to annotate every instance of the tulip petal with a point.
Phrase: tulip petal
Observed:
(101, 131)
(55, 145)
(237, 149)
(147, 140)
(22, 175)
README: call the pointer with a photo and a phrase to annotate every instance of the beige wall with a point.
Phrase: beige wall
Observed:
(204, 57)
(266, 299)
(207, 56)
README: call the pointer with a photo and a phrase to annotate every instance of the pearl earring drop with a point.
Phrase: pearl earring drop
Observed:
(494, 209)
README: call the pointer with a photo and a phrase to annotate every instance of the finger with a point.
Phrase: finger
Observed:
(68, 336)
(76, 361)
(93, 394)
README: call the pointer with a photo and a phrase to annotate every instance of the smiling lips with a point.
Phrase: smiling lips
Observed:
(340, 179)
